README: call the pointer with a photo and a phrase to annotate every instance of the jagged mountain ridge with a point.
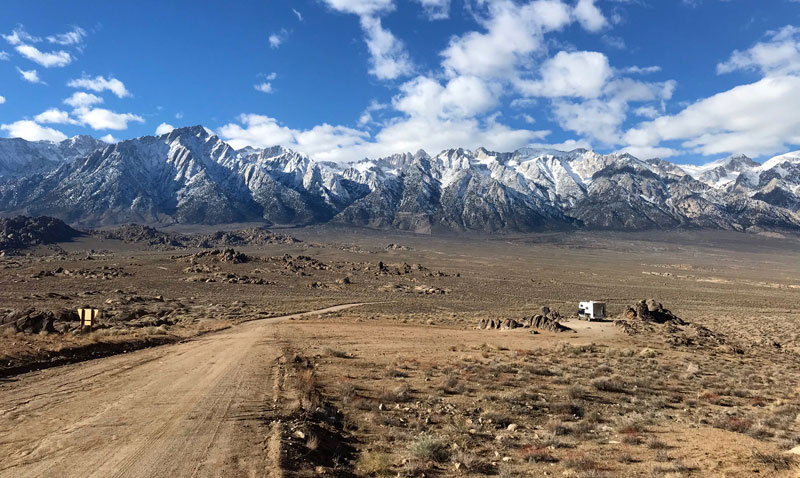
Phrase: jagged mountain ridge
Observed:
(191, 176)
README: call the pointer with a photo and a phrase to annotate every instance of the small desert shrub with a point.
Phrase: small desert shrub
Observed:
(609, 384)
(452, 385)
(533, 454)
(758, 401)
(335, 353)
(632, 439)
(733, 424)
(713, 398)
(760, 432)
(777, 461)
(347, 391)
(392, 372)
(395, 395)
(306, 384)
(656, 444)
(558, 428)
(497, 419)
(568, 410)
(582, 464)
(472, 462)
(374, 463)
(576, 392)
(626, 458)
(429, 448)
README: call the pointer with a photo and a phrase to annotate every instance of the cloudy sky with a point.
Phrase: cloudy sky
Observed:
(689, 80)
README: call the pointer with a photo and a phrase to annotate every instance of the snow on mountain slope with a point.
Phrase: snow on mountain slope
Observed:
(19, 157)
(191, 175)
(722, 172)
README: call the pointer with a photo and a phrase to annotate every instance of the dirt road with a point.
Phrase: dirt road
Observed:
(199, 408)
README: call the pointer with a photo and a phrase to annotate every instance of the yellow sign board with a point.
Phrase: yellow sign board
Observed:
(88, 317)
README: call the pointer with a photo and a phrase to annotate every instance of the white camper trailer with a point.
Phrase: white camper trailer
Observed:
(592, 310)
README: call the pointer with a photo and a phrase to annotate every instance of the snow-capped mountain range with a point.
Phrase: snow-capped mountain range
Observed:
(191, 176)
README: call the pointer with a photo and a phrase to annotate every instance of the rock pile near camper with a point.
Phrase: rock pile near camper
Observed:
(549, 321)
(650, 317)
(652, 311)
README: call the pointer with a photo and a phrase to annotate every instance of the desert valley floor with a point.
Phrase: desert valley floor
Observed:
(357, 353)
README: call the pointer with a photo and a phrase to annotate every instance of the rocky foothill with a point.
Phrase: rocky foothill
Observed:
(152, 237)
(22, 232)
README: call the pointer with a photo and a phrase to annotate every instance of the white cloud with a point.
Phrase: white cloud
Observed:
(263, 87)
(179, 115)
(164, 128)
(641, 70)
(388, 56)
(461, 97)
(299, 15)
(19, 36)
(648, 152)
(109, 139)
(100, 83)
(646, 112)
(513, 33)
(436, 9)
(46, 59)
(366, 116)
(31, 131)
(389, 59)
(342, 144)
(601, 118)
(755, 119)
(272, 76)
(578, 74)
(82, 99)
(361, 7)
(278, 38)
(72, 37)
(589, 16)
(31, 76)
(4, 55)
(779, 55)
(101, 118)
(568, 145)
(55, 116)
(2, 99)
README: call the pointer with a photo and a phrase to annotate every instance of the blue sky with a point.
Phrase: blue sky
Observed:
(689, 80)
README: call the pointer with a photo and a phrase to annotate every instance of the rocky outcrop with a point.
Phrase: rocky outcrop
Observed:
(22, 232)
(651, 311)
(550, 322)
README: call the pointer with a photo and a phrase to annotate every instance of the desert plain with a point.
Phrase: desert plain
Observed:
(347, 352)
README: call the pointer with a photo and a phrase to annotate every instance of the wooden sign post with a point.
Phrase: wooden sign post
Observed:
(88, 316)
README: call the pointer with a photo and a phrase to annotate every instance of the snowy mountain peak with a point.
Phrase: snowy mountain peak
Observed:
(191, 175)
